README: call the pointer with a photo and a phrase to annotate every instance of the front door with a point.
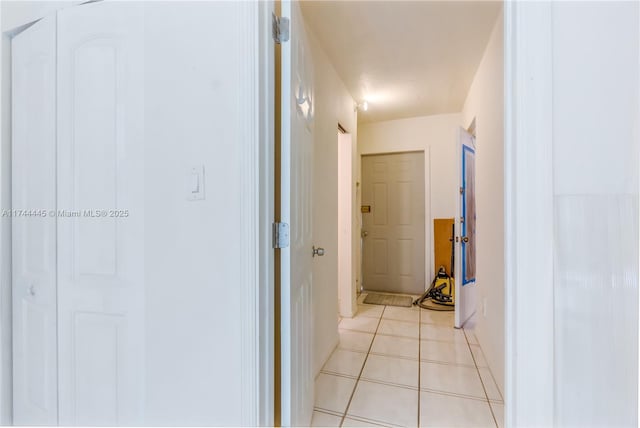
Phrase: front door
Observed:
(393, 218)
(466, 260)
(297, 111)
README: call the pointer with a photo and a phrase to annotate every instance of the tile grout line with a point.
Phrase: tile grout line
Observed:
(364, 363)
(454, 394)
(372, 422)
(484, 388)
(404, 337)
(395, 385)
(326, 411)
(494, 382)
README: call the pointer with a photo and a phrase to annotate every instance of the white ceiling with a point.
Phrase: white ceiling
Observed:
(406, 58)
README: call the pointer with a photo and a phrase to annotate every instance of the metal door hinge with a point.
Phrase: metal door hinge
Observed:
(280, 235)
(280, 28)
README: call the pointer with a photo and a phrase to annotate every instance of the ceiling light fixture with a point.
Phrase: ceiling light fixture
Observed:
(363, 106)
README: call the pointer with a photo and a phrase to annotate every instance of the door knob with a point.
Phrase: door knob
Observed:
(318, 251)
(364, 233)
(465, 239)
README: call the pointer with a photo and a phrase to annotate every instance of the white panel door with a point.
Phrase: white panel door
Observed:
(393, 192)
(100, 242)
(33, 225)
(465, 266)
(296, 209)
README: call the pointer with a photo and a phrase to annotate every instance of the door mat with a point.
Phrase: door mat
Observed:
(388, 299)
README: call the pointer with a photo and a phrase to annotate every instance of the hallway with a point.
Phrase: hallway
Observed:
(406, 367)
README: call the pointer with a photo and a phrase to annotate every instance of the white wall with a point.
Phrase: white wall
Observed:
(572, 160)
(485, 103)
(436, 135)
(596, 116)
(333, 105)
(199, 103)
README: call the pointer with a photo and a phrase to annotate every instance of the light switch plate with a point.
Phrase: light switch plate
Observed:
(195, 183)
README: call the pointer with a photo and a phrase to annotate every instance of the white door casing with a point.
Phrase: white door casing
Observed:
(35, 387)
(347, 305)
(100, 251)
(296, 209)
(465, 264)
(393, 187)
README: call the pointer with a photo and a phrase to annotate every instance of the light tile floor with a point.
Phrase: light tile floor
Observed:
(406, 367)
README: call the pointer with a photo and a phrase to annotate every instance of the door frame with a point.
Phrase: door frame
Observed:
(266, 305)
(257, 282)
(347, 292)
(470, 293)
(528, 214)
(428, 238)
